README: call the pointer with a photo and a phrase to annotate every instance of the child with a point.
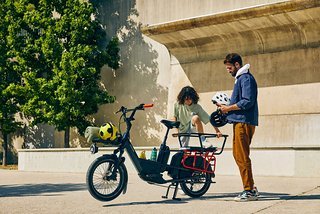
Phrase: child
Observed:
(191, 115)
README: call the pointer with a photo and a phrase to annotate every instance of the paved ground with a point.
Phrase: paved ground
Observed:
(35, 192)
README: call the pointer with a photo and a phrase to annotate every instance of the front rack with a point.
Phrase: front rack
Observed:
(94, 148)
(107, 142)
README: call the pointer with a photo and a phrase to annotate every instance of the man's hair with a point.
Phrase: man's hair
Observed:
(232, 58)
(188, 92)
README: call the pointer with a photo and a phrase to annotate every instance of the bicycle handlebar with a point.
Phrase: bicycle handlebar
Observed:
(139, 107)
(148, 105)
(125, 110)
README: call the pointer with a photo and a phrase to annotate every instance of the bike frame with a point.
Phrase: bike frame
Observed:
(125, 144)
(125, 140)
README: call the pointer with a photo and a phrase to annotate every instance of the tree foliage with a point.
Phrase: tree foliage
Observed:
(59, 52)
(10, 75)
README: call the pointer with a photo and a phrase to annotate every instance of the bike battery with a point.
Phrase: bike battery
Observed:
(164, 154)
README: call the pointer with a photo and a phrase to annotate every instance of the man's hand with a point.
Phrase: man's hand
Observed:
(225, 109)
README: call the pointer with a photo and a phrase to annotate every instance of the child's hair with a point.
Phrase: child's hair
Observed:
(232, 58)
(188, 92)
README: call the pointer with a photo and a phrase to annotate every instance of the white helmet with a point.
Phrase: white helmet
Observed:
(221, 98)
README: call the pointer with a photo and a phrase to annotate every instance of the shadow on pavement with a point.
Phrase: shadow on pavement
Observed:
(302, 197)
(167, 201)
(45, 189)
(230, 196)
(264, 196)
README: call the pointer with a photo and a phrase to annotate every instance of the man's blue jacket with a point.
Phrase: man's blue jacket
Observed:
(245, 94)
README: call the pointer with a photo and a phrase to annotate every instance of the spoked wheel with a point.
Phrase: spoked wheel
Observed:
(198, 185)
(102, 185)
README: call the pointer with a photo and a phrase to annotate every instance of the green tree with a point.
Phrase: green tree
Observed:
(61, 57)
(10, 75)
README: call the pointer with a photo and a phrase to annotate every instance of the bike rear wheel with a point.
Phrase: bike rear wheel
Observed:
(198, 185)
(100, 182)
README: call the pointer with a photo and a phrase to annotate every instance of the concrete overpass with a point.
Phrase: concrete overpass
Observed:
(281, 42)
(262, 34)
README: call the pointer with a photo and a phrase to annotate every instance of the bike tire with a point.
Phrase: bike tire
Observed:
(188, 185)
(99, 186)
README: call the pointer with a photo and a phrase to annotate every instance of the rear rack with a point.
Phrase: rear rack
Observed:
(217, 151)
(199, 160)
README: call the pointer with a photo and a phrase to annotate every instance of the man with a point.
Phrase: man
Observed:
(191, 115)
(243, 113)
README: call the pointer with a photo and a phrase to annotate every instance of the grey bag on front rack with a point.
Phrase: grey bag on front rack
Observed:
(91, 132)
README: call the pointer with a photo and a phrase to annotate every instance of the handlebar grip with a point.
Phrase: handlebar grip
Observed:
(148, 105)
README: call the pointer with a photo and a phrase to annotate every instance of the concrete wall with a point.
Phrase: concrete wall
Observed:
(148, 72)
(160, 11)
(283, 50)
(287, 138)
(276, 161)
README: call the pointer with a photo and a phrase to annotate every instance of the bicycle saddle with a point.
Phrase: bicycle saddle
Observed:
(171, 124)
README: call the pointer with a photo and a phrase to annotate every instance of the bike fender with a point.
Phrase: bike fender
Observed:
(125, 187)
(126, 181)
(111, 156)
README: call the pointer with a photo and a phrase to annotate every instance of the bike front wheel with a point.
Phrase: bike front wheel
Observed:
(101, 184)
(198, 185)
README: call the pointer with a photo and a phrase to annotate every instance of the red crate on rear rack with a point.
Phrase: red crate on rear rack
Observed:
(199, 160)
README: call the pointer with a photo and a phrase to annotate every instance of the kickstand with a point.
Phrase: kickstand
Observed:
(174, 193)
(166, 196)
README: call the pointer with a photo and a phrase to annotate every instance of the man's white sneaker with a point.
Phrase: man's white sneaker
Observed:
(246, 196)
(255, 189)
